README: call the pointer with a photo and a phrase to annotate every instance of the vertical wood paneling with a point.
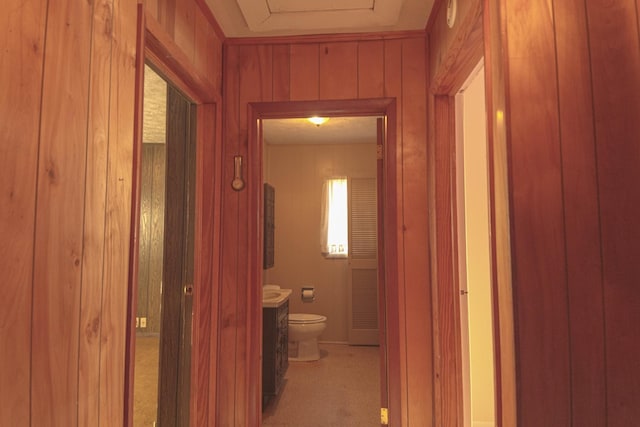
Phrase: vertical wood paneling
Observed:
(584, 274)
(144, 235)
(414, 134)
(59, 216)
(281, 72)
(185, 28)
(506, 395)
(304, 68)
(229, 264)
(94, 216)
(207, 50)
(447, 364)
(22, 39)
(338, 70)
(118, 213)
(370, 69)
(393, 89)
(538, 222)
(156, 236)
(306, 72)
(205, 239)
(615, 67)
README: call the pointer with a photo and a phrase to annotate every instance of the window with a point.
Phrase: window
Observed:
(334, 233)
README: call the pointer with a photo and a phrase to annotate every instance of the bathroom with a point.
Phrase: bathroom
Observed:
(298, 158)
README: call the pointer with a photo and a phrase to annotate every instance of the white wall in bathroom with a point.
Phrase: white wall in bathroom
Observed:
(297, 173)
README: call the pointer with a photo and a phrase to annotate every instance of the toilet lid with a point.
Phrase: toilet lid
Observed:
(306, 318)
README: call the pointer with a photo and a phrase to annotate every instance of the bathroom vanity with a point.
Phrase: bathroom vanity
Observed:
(275, 347)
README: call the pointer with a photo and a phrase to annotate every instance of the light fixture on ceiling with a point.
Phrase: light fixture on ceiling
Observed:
(318, 120)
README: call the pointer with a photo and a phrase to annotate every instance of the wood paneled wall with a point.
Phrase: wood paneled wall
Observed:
(67, 75)
(565, 93)
(321, 69)
(190, 25)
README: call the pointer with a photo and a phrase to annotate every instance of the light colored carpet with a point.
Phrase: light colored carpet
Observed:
(341, 389)
(145, 386)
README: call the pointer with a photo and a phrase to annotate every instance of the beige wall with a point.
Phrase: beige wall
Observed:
(297, 173)
(478, 263)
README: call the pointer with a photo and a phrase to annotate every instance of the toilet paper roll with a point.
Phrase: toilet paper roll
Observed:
(307, 295)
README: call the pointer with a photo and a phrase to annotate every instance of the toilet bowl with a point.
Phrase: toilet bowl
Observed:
(304, 330)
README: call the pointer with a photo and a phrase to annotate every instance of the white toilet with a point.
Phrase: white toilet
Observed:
(304, 330)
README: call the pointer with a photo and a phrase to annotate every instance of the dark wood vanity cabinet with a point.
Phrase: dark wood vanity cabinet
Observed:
(275, 349)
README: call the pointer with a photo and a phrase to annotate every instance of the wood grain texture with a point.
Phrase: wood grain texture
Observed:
(185, 28)
(338, 70)
(118, 215)
(248, 70)
(144, 242)
(21, 66)
(304, 78)
(94, 216)
(227, 359)
(156, 237)
(448, 317)
(415, 214)
(280, 72)
(615, 66)
(537, 218)
(371, 69)
(59, 216)
(582, 220)
(392, 53)
(495, 88)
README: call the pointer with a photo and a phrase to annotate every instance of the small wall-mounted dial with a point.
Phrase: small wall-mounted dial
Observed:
(451, 12)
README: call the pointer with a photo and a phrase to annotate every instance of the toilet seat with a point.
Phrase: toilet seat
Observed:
(305, 319)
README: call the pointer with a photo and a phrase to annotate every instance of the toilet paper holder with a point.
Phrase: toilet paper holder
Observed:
(308, 294)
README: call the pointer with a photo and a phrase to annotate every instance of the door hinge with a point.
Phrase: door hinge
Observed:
(384, 414)
(379, 152)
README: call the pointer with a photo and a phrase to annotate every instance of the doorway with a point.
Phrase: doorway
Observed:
(166, 257)
(474, 248)
(389, 347)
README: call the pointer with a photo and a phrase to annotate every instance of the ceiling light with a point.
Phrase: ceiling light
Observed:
(318, 120)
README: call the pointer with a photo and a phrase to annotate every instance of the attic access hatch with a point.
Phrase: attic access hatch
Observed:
(271, 15)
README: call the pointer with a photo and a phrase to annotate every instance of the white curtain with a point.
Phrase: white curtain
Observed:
(334, 221)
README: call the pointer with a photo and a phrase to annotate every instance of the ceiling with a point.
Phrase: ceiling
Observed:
(262, 18)
(338, 130)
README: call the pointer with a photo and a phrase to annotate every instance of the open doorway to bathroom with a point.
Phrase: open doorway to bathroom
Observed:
(271, 162)
(323, 193)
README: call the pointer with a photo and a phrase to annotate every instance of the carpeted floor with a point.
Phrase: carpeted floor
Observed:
(145, 394)
(341, 389)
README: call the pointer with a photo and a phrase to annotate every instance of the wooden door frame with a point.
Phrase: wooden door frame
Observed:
(367, 107)
(464, 53)
(156, 47)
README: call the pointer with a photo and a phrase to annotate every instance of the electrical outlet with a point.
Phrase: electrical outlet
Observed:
(143, 322)
(137, 322)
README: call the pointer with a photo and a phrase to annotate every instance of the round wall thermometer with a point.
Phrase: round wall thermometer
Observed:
(451, 12)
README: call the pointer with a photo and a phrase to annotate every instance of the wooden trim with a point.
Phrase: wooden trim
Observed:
(466, 50)
(165, 54)
(263, 110)
(463, 54)
(500, 228)
(155, 45)
(325, 38)
(132, 294)
(433, 15)
(211, 19)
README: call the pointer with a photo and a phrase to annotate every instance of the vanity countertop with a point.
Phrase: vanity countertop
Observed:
(272, 298)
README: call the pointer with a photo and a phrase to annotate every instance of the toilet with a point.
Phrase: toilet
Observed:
(304, 330)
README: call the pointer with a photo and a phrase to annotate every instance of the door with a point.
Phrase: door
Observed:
(177, 285)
